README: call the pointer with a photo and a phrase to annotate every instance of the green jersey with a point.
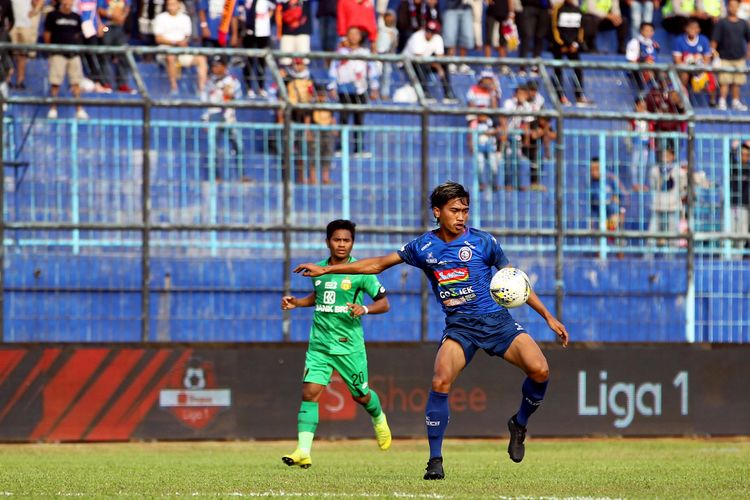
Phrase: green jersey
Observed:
(334, 330)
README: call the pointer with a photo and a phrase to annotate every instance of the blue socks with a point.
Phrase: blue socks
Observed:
(533, 394)
(437, 414)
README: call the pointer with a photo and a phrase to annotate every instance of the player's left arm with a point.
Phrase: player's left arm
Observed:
(374, 289)
(554, 324)
(380, 306)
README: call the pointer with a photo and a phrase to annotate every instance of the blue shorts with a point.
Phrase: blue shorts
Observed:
(492, 332)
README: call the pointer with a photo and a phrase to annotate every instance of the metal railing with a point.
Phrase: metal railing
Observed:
(553, 235)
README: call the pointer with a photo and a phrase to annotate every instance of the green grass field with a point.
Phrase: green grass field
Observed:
(615, 468)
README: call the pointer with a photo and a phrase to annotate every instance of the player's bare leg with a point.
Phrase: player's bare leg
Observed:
(449, 362)
(307, 422)
(525, 354)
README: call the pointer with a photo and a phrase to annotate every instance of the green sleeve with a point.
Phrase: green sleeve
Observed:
(372, 286)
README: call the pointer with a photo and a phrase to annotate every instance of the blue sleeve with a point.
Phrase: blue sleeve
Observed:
(496, 254)
(409, 254)
(203, 6)
(101, 4)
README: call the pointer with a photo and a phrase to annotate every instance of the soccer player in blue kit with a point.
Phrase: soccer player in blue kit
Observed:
(458, 261)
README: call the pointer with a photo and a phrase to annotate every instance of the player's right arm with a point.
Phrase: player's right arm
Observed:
(290, 302)
(373, 265)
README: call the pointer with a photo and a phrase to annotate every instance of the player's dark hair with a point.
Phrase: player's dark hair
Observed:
(446, 192)
(594, 159)
(646, 23)
(337, 224)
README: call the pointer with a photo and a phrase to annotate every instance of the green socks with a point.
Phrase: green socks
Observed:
(374, 408)
(307, 422)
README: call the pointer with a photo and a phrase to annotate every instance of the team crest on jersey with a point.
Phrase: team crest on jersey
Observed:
(465, 254)
(346, 284)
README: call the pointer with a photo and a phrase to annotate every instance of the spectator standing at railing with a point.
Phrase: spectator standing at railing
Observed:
(498, 12)
(641, 145)
(323, 141)
(668, 183)
(641, 11)
(173, 28)
(210, 16)
(293, 27)
(731, 39)
(458, 31)
(26, 17)
(603, 15)
(257, 35)
(326, 14)
(665, 100)
(114, 14)
(643, 49)
(739, 190)
(94, 65)
(427, 42)
(533, 27)
(567, 39)
(486, 159)
(300, 89)
(512, 131)
(477, 16)
(352, 80)
(387, 43)
(222, 87)
(63, 27)
(358, 14)
(614, 193)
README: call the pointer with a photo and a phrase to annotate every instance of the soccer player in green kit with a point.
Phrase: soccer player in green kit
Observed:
(337, 341)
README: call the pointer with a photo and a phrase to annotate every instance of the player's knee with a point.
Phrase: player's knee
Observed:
(539, 372)
(440, 383)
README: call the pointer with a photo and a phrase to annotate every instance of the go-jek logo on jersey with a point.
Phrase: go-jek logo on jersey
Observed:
(451, 276)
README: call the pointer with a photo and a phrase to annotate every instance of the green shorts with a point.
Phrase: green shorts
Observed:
(351, 367)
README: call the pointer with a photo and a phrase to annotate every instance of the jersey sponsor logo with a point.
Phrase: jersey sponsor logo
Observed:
(425, 247)
(329, 297)
(450, 276)
(330, 308)
(331, 285)
(467, 291)
(346, 284)
(431, 423)
(455, 301)
(465, 254)
(431, 259)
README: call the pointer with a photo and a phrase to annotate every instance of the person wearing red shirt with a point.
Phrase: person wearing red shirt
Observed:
(359, 14)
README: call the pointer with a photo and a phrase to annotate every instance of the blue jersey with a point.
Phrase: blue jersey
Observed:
(459, 271)
(692, 52)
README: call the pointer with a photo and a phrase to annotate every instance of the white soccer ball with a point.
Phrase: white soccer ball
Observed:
(510, 287)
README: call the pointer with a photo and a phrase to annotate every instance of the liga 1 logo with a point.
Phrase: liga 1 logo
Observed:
(192, 394)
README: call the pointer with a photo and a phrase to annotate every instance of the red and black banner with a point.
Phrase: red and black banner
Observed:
(83, 393)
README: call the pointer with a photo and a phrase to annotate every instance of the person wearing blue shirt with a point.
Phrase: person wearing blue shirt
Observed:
(458, 261)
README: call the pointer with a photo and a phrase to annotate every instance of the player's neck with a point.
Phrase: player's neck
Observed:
(447, 236)
(334, 260)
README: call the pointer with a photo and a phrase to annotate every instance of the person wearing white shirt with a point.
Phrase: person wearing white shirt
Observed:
(427, 42)
(257, 21)
(26, 15)
(173, 28)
